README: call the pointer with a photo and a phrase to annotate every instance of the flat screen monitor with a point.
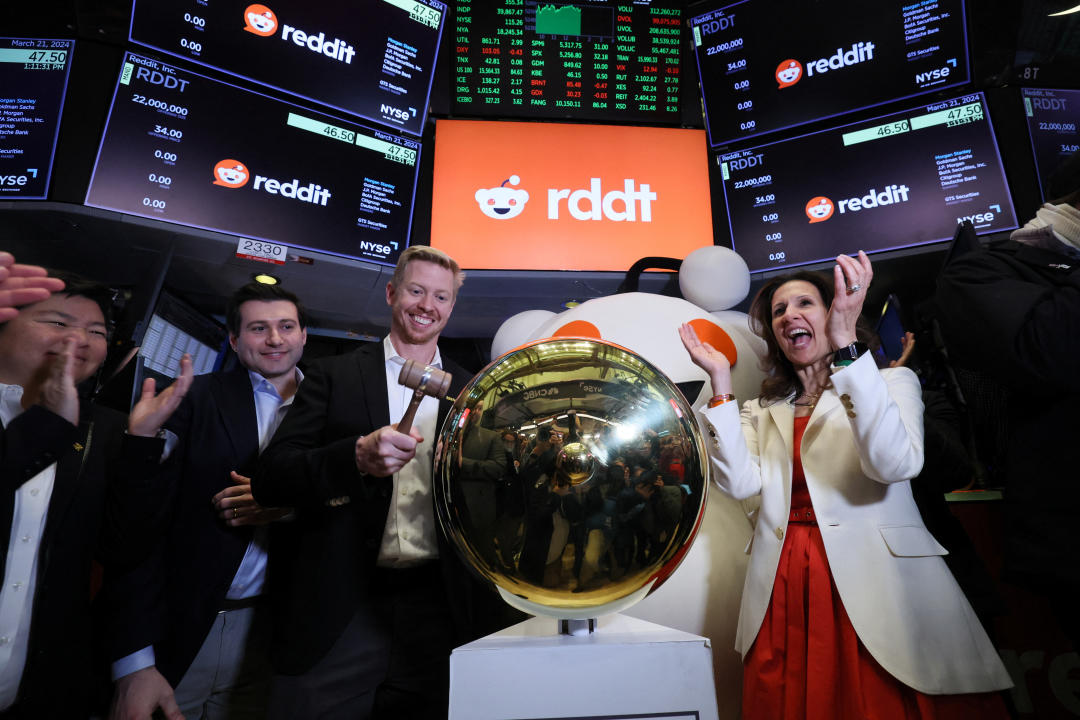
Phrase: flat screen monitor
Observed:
(176, 328)
(600, 60)
(186, 149)
(891, 182)
(33, 81)
(371, 58)
(1052, 119)
(766, 67)
(506, 197)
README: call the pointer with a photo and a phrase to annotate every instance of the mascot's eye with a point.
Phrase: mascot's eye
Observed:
(710, 332)
(513, 201)
(491, 201)
(578, 328)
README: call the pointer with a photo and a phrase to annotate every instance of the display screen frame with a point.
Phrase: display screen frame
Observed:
(1039, 151)
(408, 117)
(961, 71)
(951, 169)
(602, 105)
(380, 252)
(588, 216)
(10, 192)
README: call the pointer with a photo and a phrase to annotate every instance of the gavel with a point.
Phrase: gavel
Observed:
(422, 380)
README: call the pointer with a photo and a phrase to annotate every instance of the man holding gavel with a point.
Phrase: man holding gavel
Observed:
(369, 596)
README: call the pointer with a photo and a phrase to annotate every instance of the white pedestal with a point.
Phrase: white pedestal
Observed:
(627, 668)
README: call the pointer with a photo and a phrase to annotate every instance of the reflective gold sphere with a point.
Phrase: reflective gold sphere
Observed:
(571, 474)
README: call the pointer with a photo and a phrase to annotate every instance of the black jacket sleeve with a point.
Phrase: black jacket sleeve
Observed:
(1014, 312)
(305, 465)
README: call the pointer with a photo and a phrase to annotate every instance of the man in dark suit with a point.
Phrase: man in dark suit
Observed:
(74, 487)
(369, 597)
(189, 632)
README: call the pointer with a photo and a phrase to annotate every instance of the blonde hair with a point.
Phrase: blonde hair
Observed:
(427, 254)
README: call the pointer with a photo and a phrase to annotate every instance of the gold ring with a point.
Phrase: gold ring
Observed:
(236, 512)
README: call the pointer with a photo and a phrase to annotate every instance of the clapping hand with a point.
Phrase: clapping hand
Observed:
(151, 412)
(22, 285)
(53, 385)
(708, 358)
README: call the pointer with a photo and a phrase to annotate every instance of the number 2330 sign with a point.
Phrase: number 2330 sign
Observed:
(262, 251)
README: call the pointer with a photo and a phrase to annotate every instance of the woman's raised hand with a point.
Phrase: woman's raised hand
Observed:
(708, 358)
(851, 278)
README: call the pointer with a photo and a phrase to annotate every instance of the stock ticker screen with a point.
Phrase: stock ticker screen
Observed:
(886, 183)
(184, 148)
(765, 67)
(370, 58)
(587, 60)
(33, 78)
(1052, 119)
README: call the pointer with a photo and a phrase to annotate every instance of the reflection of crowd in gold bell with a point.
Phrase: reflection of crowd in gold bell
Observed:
(578, 485)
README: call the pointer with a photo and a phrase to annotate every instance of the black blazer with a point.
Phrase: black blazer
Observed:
(170, 600)
(103, 506)
(323, 563)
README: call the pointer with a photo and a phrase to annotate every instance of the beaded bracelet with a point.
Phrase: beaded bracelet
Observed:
(718, 400)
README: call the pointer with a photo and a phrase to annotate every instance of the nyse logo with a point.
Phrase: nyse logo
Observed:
(13, 180)
(982, 219)
(374, 247)
(394, 112)
(932, 77)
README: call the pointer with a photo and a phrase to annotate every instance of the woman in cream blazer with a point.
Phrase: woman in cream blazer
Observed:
(861, 445)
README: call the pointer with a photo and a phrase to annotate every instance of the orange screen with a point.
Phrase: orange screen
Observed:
(546, 196)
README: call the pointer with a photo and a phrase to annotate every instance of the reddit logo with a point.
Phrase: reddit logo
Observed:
(502, 203)
(231, 174)
(819, 209)
(788, 72)
(260, 20)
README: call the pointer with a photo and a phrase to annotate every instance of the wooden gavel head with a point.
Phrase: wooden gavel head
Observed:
(422, 380)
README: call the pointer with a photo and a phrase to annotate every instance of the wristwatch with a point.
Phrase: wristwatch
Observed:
(849, 353)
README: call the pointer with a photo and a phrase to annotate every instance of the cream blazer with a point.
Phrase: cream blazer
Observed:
(862, 444)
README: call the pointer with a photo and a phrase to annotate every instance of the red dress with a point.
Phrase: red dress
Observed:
(807, 662)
